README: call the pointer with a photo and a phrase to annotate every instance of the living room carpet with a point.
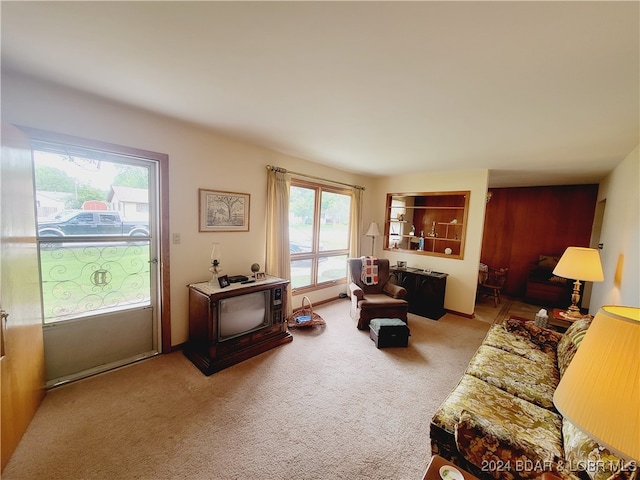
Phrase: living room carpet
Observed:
(329, 405)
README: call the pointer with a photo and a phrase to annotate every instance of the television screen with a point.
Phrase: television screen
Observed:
(242, 314)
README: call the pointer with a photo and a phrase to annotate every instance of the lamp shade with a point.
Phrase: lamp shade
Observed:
(580, 263)
(599, 392)
(373, 230)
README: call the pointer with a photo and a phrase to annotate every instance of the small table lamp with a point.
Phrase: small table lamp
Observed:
(215, 264)
(579, 263)
(600, 390)
(373, 232)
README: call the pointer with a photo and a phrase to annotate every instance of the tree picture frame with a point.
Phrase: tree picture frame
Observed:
(221, 211)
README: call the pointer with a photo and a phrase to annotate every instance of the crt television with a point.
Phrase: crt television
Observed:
(247, 313)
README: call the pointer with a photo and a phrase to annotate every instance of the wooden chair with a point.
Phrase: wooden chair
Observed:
(493, 283)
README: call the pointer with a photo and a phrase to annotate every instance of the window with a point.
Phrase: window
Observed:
(319, 233)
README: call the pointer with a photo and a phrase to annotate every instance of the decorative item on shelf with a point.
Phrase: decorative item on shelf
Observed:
(400, 217)
(413, 230)
(215, 264)
(454, 221)
(255, 268)
(373, 232)
(579, 263)
(448, 251)
(421, 241)
(598, 392)
(432, 233)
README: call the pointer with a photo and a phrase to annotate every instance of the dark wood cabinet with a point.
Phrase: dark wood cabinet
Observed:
(546, 289)
(229, 325)
(425, 290)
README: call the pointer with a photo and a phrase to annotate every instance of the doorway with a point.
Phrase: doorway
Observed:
(98, 235)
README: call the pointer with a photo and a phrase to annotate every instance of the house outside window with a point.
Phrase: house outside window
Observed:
(319, 233)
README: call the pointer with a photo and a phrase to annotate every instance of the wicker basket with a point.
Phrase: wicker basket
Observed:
(305, 317)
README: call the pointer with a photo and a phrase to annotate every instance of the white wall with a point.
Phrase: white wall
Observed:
(620, 236)
(463, 274)
(198, 158)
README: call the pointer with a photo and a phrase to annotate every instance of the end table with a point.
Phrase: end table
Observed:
(433, 469)
(560, 320)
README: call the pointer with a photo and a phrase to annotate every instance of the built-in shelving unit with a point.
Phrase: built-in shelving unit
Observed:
(427, 223)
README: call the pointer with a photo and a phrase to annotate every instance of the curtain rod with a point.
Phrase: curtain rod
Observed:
(284, 170)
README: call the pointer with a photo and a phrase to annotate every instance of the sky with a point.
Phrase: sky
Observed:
(101, 177)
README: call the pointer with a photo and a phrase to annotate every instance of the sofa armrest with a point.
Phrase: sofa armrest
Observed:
(500, 455)
(395, 291)
(356, 291)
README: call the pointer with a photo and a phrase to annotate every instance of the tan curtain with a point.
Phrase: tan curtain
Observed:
(356, 222)
(278, 259)
(356, 228)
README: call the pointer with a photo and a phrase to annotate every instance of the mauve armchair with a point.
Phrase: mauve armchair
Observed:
(383, 300)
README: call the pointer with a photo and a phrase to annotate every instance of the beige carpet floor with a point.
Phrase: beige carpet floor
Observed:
(329, 405)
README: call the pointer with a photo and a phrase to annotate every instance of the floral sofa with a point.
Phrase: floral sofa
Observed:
(500, 421)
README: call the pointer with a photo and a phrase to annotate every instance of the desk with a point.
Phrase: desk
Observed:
(433, 469)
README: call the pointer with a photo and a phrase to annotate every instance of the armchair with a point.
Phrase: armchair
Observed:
(383, 300)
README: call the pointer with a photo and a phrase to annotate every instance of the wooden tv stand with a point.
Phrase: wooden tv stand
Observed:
(211, 354)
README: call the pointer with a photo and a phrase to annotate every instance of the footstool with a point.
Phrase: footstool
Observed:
(389, 332)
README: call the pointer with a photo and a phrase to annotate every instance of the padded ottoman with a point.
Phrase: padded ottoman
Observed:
(389, 332)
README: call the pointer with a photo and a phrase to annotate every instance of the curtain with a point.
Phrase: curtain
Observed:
(356, 222)
(356, 228)
(278, 258)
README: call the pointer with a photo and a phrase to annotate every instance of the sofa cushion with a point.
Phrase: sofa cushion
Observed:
(499, 337)
(570, 341)
(512, 416)
(516, 375)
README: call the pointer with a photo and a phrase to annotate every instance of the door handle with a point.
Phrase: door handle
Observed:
(4, 315)
(154, 261)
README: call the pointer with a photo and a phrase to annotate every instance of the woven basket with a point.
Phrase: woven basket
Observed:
(305, 317)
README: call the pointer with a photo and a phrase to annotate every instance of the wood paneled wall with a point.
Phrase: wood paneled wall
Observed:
(523, 223)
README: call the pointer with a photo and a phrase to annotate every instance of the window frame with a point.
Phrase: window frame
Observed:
(316, 253)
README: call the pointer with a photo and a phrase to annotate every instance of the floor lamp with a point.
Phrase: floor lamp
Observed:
(373, 232)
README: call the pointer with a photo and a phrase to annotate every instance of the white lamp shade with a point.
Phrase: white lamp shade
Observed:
(580, 263)
(373, 230)
(599, 392)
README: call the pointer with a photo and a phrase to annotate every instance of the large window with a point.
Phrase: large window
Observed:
(319, 226)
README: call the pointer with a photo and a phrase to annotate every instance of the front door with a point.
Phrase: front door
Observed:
(97, 222)
(21, 350)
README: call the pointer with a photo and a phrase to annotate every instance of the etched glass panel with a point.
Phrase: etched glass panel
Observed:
(80, 278)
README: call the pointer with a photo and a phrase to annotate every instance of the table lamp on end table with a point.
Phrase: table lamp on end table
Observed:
(579, 264)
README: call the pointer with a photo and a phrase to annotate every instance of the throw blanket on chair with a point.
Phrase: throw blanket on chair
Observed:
(369, 271)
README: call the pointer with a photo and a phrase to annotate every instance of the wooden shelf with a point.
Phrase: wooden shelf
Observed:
(427, 213)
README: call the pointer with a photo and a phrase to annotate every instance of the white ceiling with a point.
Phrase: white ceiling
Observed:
(540, 93)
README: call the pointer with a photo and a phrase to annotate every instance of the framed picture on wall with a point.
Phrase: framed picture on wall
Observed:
(223, 211)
